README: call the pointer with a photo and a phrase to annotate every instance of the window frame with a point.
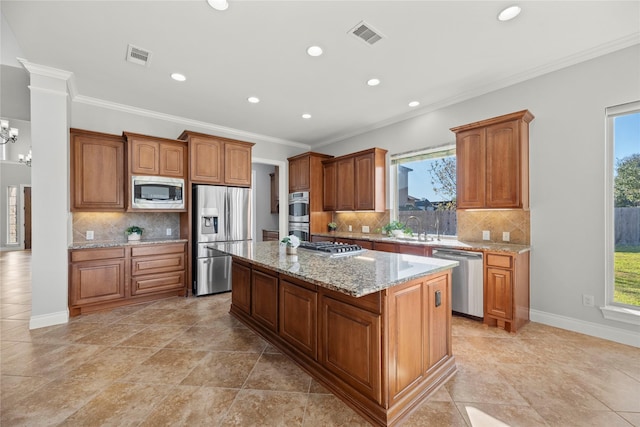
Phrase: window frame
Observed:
(613, 310)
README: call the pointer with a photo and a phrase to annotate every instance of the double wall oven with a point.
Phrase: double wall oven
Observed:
(299, 212)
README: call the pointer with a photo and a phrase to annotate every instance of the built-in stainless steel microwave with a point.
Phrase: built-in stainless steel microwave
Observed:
(157, 192)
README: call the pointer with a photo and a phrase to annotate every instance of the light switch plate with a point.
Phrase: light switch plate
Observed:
(168, 232)
(350, 228)
(365, 228)
(486, 235)
(506, 236)
(89, 235)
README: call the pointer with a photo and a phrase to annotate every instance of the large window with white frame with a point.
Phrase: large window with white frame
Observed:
(623, 213)
(425, 188)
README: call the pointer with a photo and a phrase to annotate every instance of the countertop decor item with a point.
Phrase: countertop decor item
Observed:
(396, 228)
(134, 232)
(291, 242)
(332, 226)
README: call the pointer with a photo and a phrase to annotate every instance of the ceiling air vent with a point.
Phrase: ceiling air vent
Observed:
(138, 55)
(366, 33)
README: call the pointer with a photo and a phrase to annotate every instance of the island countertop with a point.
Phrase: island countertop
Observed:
(356, 275)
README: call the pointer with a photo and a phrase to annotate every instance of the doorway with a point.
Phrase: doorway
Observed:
(27, 217)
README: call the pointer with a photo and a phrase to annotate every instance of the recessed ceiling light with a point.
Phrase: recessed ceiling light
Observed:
(178, 77)
(414, 103)
(218, 4)
(509, 13)
(306, 116)
(314, 51)
(253, 99)
(373, 82)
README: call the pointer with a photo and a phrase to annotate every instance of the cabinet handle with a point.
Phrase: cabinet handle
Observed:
(438, 298)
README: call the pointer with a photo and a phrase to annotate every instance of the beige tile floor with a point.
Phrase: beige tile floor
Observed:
(187, 362)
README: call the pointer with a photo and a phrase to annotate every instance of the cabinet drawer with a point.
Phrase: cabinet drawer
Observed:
(157, 264)
(96, 281)
(96, 254)
(148, 250)
(157, 283)
(503, 261)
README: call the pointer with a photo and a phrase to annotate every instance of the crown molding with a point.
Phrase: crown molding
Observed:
(51, 72)
(586, 55)
(240, 134)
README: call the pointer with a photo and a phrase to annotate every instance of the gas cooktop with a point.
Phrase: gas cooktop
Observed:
(332, 249)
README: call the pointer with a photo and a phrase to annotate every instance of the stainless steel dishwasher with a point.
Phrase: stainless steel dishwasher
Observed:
(466, 281)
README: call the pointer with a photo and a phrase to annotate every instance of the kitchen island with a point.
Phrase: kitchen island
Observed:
(374, 327)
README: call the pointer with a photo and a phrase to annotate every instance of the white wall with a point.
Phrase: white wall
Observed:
(567, 146)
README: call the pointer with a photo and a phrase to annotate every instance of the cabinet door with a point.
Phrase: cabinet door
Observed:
(264, 305)
(351, 346)
(365, 185)
(503, 166)
(241, 287)
(206, 160)
(438, 308)
(470, 168)
(412, 249)
(97, 173)
(499, 293)
(345, 188)
(299, 178)
(97, 281)
(145, 157)
(237, 164)
(172, 160)
(329, 186)
(299, 317)
(385, 247)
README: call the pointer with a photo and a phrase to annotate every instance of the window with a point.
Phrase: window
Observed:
(623, 213)
(12, 217)
(425, 187)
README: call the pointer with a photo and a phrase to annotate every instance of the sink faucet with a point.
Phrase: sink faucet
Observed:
(419, 223)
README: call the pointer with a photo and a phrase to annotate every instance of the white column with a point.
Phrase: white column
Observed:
(50, 188)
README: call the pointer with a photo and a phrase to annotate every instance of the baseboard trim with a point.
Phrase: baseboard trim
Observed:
(50, 319)
(588, 328)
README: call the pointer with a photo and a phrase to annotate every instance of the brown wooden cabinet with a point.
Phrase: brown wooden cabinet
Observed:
(104, 278)
(355, 181)
(506, 290)
(298, 308)
(493, 162)
(96, 276)
(270, 235)
(97, 172)
(264, 298)
(274, 186)
(241, 285)
(150, 155)
(305, 174)
(217, 160)
(402, 248)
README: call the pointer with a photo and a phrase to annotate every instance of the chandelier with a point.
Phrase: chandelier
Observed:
(25, 160)
(8, 134)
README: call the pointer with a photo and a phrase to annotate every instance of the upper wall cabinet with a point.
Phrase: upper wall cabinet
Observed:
(97, 171)
(217, 160)
(493, 162)
(299, 173)
(355, 181)
(156, 156)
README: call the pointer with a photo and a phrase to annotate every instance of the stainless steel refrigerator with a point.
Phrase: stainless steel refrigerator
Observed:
(220, 214)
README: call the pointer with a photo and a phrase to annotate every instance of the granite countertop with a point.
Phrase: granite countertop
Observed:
(123, 242)
(356, 275)
(443, 243)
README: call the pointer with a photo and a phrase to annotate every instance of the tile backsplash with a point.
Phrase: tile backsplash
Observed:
(517, 222)
(111, 225)
(374, 220)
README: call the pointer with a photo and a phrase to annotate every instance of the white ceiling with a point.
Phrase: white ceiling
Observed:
(434, 52)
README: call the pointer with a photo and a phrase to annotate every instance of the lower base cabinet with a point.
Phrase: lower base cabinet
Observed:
(382, 354)
(104, 278)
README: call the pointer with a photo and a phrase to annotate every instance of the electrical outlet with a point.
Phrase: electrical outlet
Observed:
(486, 235)
(588, 300)
(168, 232)
(506, 236)
(365, 228)
(89, 235)
(350, 228)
